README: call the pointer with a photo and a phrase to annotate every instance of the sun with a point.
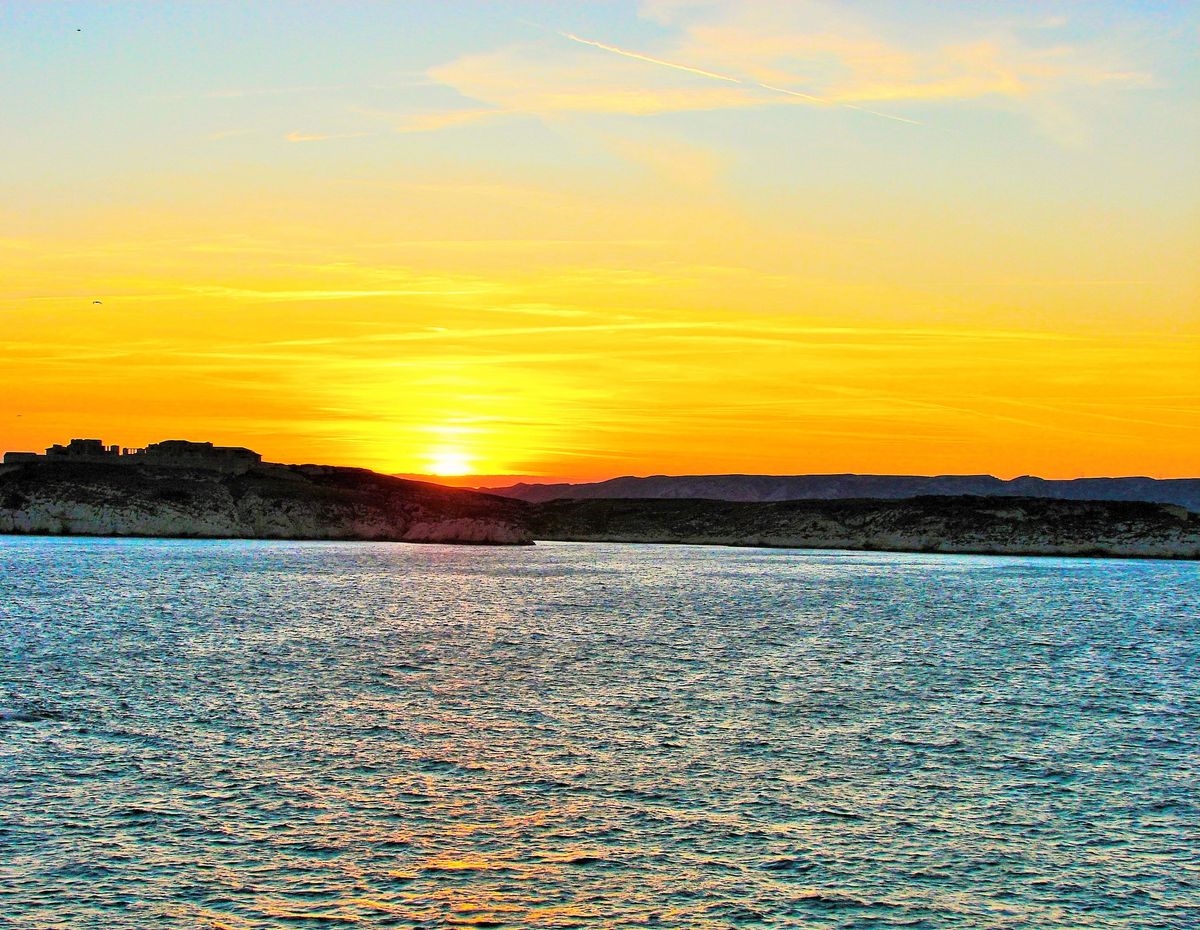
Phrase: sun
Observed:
(447, 463)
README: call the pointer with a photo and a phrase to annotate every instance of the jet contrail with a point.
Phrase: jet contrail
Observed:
(825, 101)
(795, 93)
(838, 103)
(653, 61)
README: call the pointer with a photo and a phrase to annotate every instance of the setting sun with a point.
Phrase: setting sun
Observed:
(676, 463)
(448, 463)
(537, 253)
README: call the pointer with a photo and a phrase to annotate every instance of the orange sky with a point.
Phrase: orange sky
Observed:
(527, 255)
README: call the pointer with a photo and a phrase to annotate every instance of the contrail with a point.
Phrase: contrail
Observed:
(653, 61)
(795, 93)
(825, 101)
(838, 103)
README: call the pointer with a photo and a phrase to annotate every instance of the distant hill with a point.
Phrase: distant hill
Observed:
(761, 488)
(985, 525)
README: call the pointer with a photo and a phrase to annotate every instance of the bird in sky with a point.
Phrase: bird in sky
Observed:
(97, 301)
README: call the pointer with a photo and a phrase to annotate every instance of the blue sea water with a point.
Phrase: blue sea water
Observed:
(277, 734)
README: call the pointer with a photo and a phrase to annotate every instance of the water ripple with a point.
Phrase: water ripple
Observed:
(248, 734)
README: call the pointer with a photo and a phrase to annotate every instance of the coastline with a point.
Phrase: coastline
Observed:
(1098, 554)
(951, 525)
(1095, 553)
(305, 502)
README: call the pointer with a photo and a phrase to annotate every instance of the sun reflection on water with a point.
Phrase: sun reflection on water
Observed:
(324, 734)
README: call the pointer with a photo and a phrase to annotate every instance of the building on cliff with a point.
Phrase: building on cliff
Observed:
(171, 453)
(179, 453)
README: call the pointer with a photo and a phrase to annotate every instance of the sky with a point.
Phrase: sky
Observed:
(579, 240)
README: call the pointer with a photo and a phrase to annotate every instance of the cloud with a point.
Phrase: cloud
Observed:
(827, 51)
(544, 81)
(444, 119)
(671, 161)
(323, 137)
(987, 68)
(399, 79)
(243, 293)
(549, 78)
(725, 55)
(807, 98)
(229, 134)
(651, 60)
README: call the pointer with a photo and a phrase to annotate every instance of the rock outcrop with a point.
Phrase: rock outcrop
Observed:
(984, 525)
(266, 502)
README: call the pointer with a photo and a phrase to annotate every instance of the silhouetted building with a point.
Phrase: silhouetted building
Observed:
(81, 449)
(179, 453)
(171, 453)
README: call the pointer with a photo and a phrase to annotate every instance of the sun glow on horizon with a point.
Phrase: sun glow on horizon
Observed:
(538, 255)
(449, 463)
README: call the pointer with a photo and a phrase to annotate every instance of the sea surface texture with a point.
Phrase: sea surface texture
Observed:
(265, 734)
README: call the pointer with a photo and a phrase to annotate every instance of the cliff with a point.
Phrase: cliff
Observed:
(1182, 491)
(265, 502)
(1015, 526)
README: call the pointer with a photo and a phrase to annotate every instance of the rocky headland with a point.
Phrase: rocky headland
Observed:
(264, 502)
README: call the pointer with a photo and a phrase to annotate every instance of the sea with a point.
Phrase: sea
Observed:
(253, 734)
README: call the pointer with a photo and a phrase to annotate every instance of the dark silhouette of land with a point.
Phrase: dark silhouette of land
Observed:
(962, 524)
(765, 488)
(186, 489)
(263, 501)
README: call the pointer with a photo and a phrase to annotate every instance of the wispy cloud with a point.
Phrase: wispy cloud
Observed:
(842, 56)
(727, 55)
(235, 93)
(408, 79)
(444, 119)
(243, 293)
(647, 58)
(671, 161)
(323, 136)
(542, 80)
(229, 134)
(809, 98)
